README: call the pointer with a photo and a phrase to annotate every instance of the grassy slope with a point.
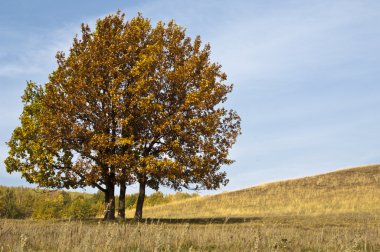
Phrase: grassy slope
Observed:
(349, 191)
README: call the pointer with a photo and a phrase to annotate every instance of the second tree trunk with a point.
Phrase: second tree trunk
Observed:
(109, 201)
(121, 213)
(140, 201)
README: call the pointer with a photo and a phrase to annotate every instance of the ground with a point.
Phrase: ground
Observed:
(301, 233)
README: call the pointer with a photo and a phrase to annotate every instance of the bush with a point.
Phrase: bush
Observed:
(8, 207)
(49, 207)
(79, 208)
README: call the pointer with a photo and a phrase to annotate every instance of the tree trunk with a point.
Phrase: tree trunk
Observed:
(106, 203)
(140, 201)
(109, 200)
(121, 212)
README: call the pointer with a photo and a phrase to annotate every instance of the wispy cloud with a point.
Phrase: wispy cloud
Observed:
(305, 73)
(297, 42)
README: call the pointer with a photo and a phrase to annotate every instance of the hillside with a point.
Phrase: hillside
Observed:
(347, 191)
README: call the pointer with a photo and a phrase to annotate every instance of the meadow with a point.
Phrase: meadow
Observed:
(348, 233)
(338, 211)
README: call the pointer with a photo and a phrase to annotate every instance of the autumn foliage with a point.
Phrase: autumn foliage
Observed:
(129, 103)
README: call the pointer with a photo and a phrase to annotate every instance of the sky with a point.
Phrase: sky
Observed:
(306, 75)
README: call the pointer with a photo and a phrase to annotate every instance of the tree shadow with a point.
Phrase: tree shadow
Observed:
(204, 221)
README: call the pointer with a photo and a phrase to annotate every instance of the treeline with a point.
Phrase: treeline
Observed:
(21, 203)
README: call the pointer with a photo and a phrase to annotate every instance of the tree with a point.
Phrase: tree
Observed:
(8, 207)
(40, 160)
(181, 132)
(130, 103)
(50, 206)
(79, 208)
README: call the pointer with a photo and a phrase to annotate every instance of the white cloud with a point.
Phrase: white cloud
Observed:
(305, 76)
(294, 43)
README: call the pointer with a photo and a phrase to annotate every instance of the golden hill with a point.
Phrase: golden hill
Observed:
(347, 191)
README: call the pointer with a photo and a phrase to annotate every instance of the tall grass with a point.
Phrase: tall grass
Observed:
(309, 234)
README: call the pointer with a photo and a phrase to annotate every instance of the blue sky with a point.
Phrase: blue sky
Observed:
(306, 74)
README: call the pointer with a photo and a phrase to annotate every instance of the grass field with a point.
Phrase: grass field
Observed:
(338, 211)
(332, 233)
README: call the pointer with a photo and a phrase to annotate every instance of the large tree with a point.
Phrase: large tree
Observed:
(37, 158)
(183, 133)
(129, 103)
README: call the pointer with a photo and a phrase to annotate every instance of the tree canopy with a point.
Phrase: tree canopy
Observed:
(128, 103)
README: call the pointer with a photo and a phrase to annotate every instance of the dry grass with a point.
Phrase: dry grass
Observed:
(268, 234)
(339, 211)
(355, 190)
